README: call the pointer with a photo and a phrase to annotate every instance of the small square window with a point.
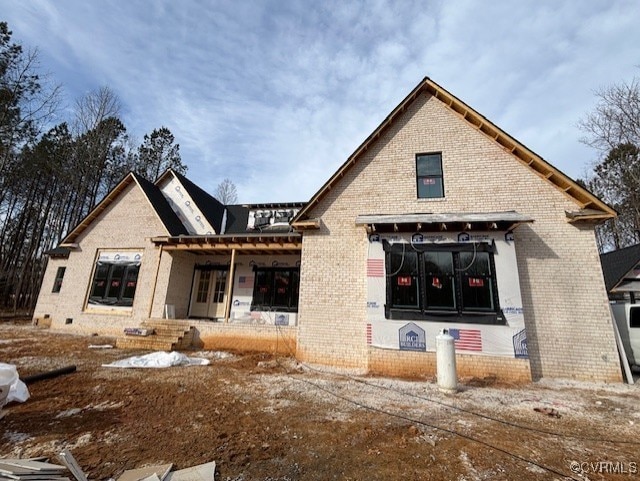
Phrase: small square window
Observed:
(429, 176)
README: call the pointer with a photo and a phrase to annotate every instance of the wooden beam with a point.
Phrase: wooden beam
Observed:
(232, 271)
(228, 247)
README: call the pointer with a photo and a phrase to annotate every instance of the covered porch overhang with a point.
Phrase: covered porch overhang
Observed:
(289, 243)
(468, 222)
(274, 243)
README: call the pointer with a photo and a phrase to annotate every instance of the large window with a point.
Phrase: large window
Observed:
(115, 280)
(429, 176)
(276, 289)
(57, 283)
(442, 282)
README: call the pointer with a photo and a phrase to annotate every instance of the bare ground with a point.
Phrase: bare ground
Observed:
(266, 418)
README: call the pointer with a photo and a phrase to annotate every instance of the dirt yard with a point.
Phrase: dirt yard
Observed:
(262, 418)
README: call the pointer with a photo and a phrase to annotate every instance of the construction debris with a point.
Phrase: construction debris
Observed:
(138, 331)
(158, 360)
(202, 472)
(48, 374)
(33, 469)
(160, 472)
(69, 461)
(548, 411)
(11, 387)
(38, 469)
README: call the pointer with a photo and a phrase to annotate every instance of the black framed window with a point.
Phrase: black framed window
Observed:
(429, 176)
(276, 289)
(57, 283)
(442, 282)
(634, 317)
(114, 284)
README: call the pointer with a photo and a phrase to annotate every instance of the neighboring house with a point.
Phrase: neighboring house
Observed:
(621, 269)
(439, 220)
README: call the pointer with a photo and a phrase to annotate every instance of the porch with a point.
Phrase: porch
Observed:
(189, 334)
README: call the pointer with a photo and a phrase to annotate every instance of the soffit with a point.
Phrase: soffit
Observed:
(465, 221)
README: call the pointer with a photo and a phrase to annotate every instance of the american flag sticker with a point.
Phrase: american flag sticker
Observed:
(245, 281)
(466, 339)
(375, 267)
(369, 334)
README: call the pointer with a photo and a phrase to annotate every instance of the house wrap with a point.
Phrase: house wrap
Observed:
(439, 220)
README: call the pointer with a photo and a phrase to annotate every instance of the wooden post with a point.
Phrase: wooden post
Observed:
(232, 271)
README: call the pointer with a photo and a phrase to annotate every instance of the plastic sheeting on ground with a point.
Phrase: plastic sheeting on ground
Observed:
(11, 387)
(158, 360)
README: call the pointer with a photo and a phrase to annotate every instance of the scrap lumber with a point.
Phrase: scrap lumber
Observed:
(34, 469)
(141, 473)
(69, 461)
(202, 472)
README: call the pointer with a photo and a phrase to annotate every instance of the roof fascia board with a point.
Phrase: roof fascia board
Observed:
(571, 189)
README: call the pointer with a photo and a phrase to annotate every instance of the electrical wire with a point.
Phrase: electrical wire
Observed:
(467, 411)
(423, 423)
(473, 259)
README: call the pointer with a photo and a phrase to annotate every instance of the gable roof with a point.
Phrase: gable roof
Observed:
(211, 208)
(616, 264)
(157, 201)
(581, 196)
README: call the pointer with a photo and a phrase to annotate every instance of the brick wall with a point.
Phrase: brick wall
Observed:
(128, 223)
(564, 299)
(422, 365)
(245, 337)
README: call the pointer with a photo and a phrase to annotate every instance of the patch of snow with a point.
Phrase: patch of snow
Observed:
(16, 438)
(68, 413)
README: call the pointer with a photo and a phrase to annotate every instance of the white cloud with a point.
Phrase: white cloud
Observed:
(276, 94)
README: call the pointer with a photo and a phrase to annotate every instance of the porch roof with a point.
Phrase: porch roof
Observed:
(275, 243)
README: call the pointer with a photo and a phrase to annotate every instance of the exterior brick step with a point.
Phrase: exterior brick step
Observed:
(168, 335)
(144, 343)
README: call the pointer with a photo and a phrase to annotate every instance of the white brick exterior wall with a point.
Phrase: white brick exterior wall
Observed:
(128, 223)
(564, 300)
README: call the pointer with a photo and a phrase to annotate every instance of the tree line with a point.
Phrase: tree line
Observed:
(52, 175)
(612, 128)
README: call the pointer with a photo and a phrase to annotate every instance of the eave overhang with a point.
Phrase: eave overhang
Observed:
(587, 216)
(285, 243)
(568, 187)
(456, 222)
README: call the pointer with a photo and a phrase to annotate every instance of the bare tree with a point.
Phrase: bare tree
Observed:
(94, 107)
(615, 119)
(226, 192)
(613, 128)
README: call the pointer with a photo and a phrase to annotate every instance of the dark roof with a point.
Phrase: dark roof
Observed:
(60, 252)
(237, 217)
(616, 264)
(159, 203)
(211, 208)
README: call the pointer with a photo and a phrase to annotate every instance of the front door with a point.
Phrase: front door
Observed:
(218, 294)
(209, 294)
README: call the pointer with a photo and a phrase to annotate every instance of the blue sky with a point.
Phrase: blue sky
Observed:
(275, 95)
